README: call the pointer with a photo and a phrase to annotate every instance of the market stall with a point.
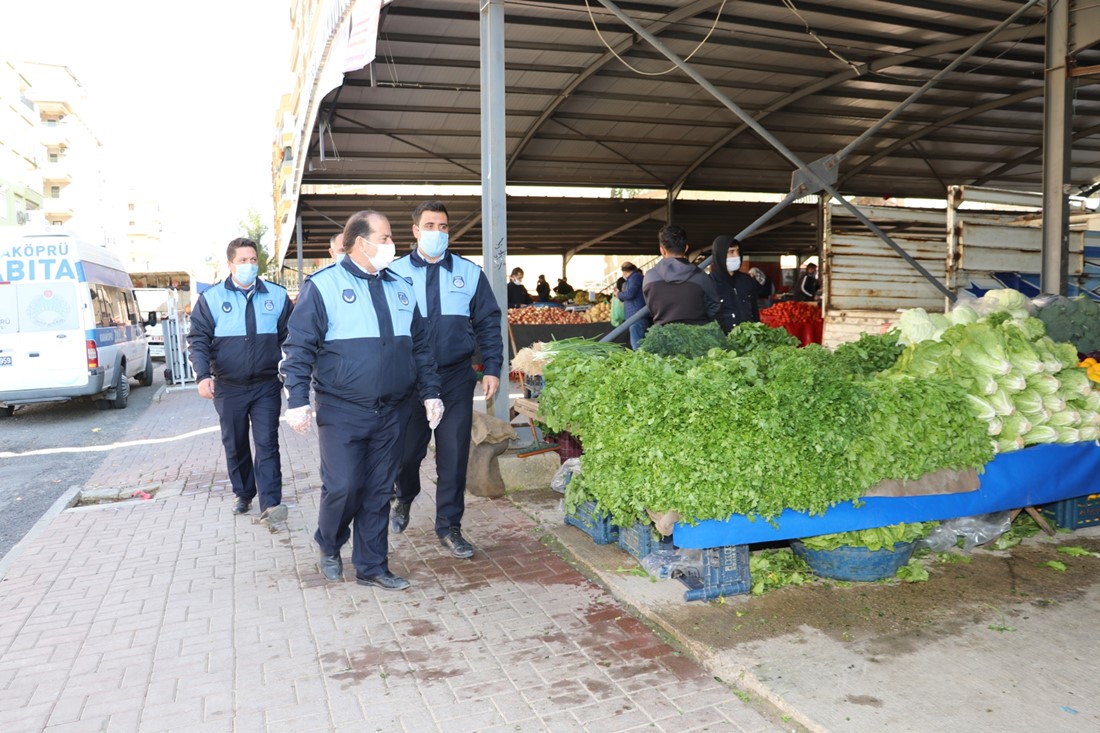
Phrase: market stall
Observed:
(753, 440)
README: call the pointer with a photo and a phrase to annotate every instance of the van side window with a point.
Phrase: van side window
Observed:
(111, 306)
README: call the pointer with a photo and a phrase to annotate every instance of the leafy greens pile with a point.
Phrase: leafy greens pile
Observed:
(752, 433)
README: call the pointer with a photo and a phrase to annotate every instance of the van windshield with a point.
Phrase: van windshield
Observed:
(35, 307)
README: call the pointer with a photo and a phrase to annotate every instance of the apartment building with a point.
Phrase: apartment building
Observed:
(21, 152)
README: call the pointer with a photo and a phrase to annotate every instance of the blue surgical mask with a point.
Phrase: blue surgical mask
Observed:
(246, 274)
(433, 242)
(733, 264)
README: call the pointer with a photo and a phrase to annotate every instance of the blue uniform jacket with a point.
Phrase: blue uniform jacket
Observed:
(458, 302)
(360, 338)
(237, 338)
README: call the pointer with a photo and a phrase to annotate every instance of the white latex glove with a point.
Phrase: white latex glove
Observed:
(300, 418)
(434, 410)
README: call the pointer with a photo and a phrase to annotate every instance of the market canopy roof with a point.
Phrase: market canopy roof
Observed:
(590, 103)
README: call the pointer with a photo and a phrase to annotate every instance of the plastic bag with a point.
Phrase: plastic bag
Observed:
(976, 530)
(564, 474)
(668, 562)
(618, 312)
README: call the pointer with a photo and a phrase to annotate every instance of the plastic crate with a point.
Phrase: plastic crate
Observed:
(725, 572)
(1084, 511)
(637, 540)
(532, 385)
(596, 524)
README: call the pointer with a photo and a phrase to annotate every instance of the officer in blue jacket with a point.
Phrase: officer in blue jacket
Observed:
(237, 330)
(464, 315)
(358, 335)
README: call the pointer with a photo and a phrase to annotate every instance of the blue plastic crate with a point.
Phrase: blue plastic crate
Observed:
(1084, 511)
(725, 572)
(637, 540)
(596, 524)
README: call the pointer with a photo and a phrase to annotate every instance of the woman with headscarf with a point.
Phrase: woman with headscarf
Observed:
(738, 292)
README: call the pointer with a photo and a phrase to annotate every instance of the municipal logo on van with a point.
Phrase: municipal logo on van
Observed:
(403, 298)
(268, 305)
(459, 282)
(226, 307)
(349, 296)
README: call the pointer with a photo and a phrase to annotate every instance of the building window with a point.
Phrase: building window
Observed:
(55, 192)
(54, 157)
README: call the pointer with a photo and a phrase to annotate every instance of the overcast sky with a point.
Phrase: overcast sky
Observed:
(185, 97)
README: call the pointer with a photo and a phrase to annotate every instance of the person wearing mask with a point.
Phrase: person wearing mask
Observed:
(460, 306)
(675, 290)
(336, 246)
(237, 331)
(737, 291)
(633, 301)
(517, 294)
(357, 335)
(542, 290)
(807, 284)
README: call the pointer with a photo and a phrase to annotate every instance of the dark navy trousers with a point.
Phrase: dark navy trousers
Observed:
(359, 456)
(255, 407)
(452, 447)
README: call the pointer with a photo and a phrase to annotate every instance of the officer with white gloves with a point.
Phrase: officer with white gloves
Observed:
(358, 336)
(454, 295)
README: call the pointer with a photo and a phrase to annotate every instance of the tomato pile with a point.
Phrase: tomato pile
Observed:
(540, 315)
(792, 312)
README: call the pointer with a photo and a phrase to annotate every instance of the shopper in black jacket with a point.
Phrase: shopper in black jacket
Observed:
(738, 292)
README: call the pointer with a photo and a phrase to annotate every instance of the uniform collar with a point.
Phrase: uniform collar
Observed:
(445, 262)
(257, 287)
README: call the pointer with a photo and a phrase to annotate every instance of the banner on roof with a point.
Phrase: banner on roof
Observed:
(362, 35)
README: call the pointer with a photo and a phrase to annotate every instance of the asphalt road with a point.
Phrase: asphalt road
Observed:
(30, 484)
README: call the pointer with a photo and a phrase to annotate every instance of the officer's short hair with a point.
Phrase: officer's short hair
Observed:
(231, 250)
(436, 206)
(359, 226)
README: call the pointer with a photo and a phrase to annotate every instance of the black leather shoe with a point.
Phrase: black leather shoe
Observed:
(385, 581)
(241, 506)
(332, 567)
(400, 517)
(457, 544)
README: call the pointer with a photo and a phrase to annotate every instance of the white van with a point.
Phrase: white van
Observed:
(69, 323)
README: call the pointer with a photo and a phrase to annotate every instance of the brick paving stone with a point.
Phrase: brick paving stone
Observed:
(206, 621)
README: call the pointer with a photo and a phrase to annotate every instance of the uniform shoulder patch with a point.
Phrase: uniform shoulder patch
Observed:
(348, 295)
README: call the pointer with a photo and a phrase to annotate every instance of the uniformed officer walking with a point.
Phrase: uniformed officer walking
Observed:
(464, 316)
(237, 330)
(358, 335)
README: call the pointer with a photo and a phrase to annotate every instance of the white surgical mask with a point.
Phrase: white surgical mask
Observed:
(733, 264)
(433, 242)
(246, 274)
(384, 257)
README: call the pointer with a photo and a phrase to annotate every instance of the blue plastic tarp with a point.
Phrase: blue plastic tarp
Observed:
(1037, 475)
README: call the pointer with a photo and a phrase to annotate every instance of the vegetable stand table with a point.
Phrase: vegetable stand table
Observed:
(1041, 474)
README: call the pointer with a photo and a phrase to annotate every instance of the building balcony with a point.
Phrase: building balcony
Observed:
(56, 174)
(56, 136)
(57, 210)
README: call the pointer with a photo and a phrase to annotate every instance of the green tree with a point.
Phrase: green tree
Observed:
(255, 230)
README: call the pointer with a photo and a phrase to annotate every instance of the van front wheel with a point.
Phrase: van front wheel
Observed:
(146, 378)
(122, 389)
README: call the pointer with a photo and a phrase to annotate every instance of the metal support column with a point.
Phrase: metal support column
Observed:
(298, 232)
(494, 216)
(1057, 150)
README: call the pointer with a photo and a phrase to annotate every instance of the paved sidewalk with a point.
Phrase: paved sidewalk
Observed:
(174, 615)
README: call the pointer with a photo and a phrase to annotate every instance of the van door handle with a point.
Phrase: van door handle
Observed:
(33, 354)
